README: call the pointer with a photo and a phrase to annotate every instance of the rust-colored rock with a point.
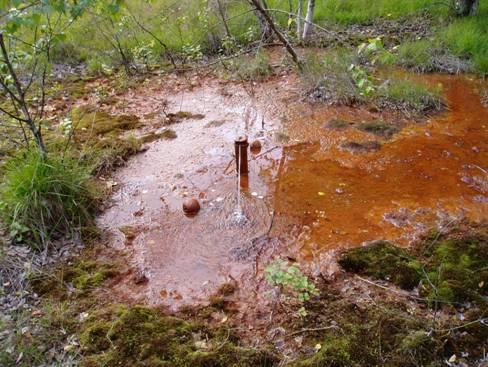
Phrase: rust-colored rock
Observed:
(256, 146)
(191, 206)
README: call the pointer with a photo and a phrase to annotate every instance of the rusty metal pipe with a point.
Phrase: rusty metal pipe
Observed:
(241, 144)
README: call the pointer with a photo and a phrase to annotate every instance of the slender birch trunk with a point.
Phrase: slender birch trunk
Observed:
(308, 18)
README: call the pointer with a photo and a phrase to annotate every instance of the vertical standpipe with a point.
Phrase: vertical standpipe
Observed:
(241, 145)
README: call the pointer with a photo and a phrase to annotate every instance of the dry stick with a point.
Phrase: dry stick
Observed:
(401, 293)
(278, 34)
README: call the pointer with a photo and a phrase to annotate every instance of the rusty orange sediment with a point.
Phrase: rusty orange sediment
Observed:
(304, 198)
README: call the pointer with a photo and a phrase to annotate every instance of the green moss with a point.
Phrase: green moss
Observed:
(457, 270)
(140, 336)
(383, 260)
(174, 118)
(379, 127)
(334, 352)
(87, 121)
(106, 153)
(449, 270)
(165, 134)
(83, 276)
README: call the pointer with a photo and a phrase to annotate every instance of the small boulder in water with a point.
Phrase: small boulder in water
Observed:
(191, 206)
(256, 146)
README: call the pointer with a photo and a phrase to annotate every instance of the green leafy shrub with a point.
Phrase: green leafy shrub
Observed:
(291, 279)
(44, 198)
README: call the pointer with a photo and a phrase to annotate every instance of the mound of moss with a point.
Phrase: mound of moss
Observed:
(451, 270)
(457, 270)
(82, 277)
(382, 260)
(101, 123)
(140, 336)
(379, 127)
(378, 336)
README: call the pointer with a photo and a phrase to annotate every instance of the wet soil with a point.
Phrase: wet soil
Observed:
(306, 197)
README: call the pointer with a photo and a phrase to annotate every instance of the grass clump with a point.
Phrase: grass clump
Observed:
(251, 68)
(329, 78)
(468, 37)
(140, 336)
(382, 260)
(410, 96)
(44, 198)
(379, 127)
(431, 55)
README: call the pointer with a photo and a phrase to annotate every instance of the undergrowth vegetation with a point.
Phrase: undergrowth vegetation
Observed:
(447, 270)
(140, 336)
(42, 198)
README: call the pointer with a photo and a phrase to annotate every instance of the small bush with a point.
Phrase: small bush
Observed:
(330, 80)
(44, 197)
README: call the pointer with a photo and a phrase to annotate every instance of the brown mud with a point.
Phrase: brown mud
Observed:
(304, 199)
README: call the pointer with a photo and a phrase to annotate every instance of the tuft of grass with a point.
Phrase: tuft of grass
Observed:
(329, 79)
(42, 198)
(407, 95)
(416, 54)
(379, 127)
(365, 11)
(468, 37)
(251, 68)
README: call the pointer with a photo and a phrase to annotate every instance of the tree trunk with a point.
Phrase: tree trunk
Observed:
(299, 19)
(466, 7)
(269, 21)
(308, 18)
(224, 19)
(19, 101)
(263, 24)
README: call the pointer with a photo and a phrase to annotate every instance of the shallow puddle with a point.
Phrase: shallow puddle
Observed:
(303, 199)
